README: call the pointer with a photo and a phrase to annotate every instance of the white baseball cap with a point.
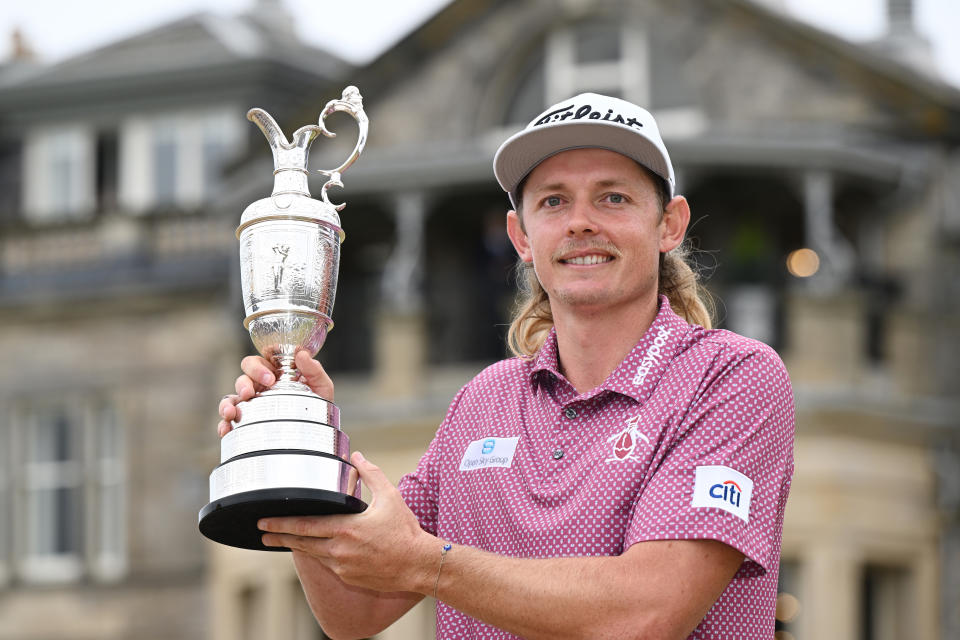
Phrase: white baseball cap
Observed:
(589, 120)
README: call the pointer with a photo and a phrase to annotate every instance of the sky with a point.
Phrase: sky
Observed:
(358, 30)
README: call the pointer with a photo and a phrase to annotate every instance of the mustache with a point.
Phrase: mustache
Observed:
(586, 245)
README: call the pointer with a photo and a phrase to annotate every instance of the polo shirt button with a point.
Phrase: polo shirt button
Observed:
(558, 454)
(570, 412)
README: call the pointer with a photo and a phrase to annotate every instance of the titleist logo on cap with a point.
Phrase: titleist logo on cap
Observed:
(585, 111)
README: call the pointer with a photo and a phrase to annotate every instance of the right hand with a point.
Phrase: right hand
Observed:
(259, 374)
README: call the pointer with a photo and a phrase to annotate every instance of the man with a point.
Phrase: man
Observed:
(624, 477)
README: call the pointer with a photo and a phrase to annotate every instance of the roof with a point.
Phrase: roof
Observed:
(873, 68)
(200, 50)
(924, 107)
(923, 99)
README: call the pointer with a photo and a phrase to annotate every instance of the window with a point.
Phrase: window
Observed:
(165, 163)
(58, 171)
(176, 159)
(617, 57)
(885, 606)
(597, 44)
(52, 493)
(68, 480)
(107, 170)
(604, 57)
(108, 499)
(11, 172)
(218, 141)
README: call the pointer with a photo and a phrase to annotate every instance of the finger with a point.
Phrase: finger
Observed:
(302, 526)
(273, 540)
(320, 549)
(228, 407)
(313, 375)
(258, 370)
(371, 474)
(245, 387)
(223, 428)
(316, 547)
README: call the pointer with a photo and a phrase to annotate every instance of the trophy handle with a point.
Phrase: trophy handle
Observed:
(352, 103)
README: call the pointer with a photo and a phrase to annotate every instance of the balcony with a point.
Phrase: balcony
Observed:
(115, 255)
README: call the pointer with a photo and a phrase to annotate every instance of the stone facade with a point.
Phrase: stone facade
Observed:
(121, 324)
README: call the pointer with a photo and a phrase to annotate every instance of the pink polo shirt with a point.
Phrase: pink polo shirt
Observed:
(691, 437)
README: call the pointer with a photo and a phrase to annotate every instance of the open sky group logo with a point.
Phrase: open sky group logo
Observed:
(489, 452)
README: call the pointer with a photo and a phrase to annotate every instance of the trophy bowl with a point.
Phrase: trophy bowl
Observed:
(289, 280)
(286, 454)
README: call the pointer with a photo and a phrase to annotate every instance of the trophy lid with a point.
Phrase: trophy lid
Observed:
(291, 194)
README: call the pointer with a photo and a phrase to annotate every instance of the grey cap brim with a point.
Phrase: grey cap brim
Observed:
(523, 151)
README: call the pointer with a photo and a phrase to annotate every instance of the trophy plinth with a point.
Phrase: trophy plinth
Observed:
(286, 454)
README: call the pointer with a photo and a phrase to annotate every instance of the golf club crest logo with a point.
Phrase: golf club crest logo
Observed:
(626, 444)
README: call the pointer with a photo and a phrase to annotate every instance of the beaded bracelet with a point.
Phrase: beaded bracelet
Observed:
(443, 554)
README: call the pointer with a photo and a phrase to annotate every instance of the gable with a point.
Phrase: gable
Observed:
(200, 41)
(732, 64)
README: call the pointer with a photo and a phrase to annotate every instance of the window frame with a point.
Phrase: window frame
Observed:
(627, 76)
(91, 470)
(191, 135)
(73, 146)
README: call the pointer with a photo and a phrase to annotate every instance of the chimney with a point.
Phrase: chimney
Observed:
(22, 59)
(902, 40)
(900, 16)
(21, 49)
(274, 16)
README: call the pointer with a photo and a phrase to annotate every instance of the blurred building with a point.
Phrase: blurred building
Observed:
(119, 314)
(823, 181)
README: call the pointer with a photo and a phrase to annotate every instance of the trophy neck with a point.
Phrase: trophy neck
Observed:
(288, 380)
(290, 180)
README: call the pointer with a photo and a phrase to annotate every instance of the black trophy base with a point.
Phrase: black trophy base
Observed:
(232, 520)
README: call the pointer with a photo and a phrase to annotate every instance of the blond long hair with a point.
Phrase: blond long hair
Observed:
(676, 279)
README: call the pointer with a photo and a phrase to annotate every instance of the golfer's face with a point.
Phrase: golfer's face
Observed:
(592, 228)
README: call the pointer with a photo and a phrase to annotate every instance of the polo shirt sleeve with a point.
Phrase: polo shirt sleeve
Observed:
(738, 431)
(421, 489)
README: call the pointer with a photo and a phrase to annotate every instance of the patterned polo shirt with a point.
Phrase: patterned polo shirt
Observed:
(691, 437)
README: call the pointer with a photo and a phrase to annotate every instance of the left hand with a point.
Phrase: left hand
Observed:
(382, 548)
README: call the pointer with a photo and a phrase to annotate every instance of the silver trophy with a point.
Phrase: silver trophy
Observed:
(286, 454)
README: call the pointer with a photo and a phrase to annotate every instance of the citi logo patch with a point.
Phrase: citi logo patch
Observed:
(723, 488)
(489, 452)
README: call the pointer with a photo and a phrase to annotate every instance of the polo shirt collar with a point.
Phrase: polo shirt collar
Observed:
(547, 361)
(638, 374)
